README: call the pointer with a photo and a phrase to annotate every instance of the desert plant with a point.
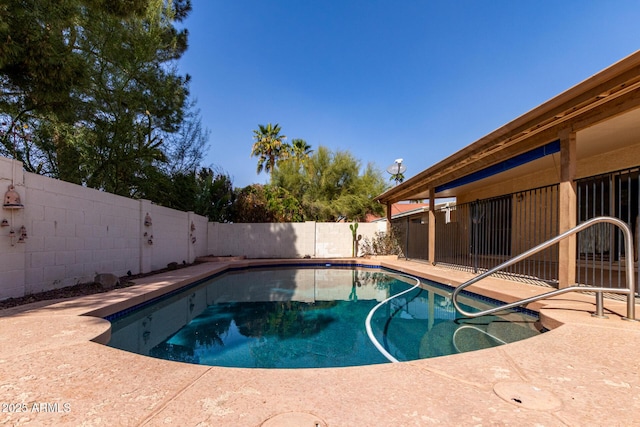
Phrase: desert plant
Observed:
(356, 239)
(382, 244)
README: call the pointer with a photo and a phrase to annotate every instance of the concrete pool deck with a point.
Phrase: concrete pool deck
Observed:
(584, 372)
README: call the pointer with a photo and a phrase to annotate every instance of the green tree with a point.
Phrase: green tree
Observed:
(206, 192)
(269, 147)
(90, 89)
(175, 181)
(283, 205)
(251, 205)
(214, 195)
(137, 99)
(330, 185)
(300, 150)
(397, 177)
(266, 203)
(185, 148)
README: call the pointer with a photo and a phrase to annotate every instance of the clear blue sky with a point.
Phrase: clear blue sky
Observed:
(387, 79)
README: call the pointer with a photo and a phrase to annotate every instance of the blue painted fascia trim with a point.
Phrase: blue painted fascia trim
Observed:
(519, 160)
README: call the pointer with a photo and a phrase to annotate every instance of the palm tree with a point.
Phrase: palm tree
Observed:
(300, 149)
(397, 177)
(268, 146)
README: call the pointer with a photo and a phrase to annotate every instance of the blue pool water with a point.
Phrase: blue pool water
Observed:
(309, 317)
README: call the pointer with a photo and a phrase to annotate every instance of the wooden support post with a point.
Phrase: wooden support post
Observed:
(568, 205)
(432, 226)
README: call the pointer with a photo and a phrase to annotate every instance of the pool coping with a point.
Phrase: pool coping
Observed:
(50, 354)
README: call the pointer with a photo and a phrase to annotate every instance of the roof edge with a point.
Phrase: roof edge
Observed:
(536, 114)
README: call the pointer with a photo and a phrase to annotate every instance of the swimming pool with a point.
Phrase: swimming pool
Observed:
(300, 317)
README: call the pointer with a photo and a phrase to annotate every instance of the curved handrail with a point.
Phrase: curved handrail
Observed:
(455, 335)
(629, 290)
(367, 322)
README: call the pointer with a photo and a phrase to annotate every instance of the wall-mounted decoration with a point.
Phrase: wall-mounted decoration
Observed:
(4, 222)
(12, 199)
(12, 236)
(193, 227)
(20, 234)
(147, 220)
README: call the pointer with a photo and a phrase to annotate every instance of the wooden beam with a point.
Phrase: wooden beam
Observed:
(432, 227)
(568, 209)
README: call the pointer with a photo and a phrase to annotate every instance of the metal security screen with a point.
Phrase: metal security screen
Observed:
(479, 235)
(413, 235)
(601, 254)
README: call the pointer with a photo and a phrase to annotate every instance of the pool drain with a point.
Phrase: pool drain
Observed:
(527, 396)
(294, 419)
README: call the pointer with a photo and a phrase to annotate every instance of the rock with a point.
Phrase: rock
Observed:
(107, 280)
(172, 265)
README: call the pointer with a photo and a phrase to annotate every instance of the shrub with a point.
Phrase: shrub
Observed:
(382, 244)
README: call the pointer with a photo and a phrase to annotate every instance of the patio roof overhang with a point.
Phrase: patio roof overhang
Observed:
(611, 92)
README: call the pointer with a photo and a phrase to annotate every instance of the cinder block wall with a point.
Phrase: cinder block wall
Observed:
(265, 240)
(74, 232)
(12, 254)
(336, 239)
(289, 240)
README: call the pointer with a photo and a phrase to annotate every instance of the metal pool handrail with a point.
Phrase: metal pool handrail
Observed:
(455, 335)
(629, 290)
(367, 322)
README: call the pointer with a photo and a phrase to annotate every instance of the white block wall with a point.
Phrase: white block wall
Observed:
(336, 239)
(12, 258)
(74, 232)
(289, 240)
(263, 240)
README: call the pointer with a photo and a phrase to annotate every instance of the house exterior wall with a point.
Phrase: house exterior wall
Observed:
(531, 229)
(623, 158)
(538, 206)
(538, 179)
(592, 130)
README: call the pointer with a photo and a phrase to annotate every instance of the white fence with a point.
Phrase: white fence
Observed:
(74, 232)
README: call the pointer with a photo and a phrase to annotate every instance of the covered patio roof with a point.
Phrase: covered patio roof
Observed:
(586, 108)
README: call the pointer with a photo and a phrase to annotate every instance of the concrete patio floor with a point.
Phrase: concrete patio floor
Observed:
(584, 372)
